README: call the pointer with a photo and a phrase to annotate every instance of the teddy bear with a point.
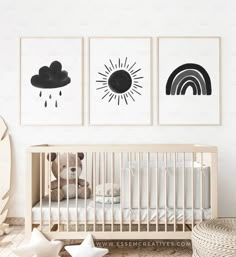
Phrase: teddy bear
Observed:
(82, 188)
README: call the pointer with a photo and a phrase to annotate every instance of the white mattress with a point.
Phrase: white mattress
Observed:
(127, 213)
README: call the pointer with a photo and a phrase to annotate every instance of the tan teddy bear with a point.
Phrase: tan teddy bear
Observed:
(83, 190)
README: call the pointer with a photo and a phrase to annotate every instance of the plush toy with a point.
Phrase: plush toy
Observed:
(39, 246)
(86, 248)
(4, 229)
(82, 188)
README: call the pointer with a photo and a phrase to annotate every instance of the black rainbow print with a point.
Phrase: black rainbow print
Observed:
(189, 75)
(120, 81)
(50, 78)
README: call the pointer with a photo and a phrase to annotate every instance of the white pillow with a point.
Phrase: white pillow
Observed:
(107, 199)
(107, 191)
(39, 246)
(87, 248)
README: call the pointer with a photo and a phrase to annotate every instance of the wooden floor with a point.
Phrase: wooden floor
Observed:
(16, 238)
(11, 241)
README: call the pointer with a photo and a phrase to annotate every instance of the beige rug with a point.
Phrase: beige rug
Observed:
(155, 248)
(157, 251)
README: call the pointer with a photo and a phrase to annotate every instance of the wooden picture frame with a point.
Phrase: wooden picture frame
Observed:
(176, 53)
(111, 61)
(46, 51)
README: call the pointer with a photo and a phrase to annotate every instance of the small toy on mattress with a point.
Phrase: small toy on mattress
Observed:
(104, 193)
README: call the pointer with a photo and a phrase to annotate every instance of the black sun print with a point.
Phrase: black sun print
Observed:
(120, 81)
(50, 79)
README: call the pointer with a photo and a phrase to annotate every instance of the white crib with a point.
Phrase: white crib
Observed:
(164, 191)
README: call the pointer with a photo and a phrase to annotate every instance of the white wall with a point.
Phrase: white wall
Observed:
(119, 18)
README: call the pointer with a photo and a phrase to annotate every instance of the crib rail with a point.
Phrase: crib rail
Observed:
(161, 191)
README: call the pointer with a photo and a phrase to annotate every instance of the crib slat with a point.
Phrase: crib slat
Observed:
(192, 171)
(99, 169)
(49, 190)
(165, 163)
(121, 179)
(107, 161)
(130, 193)
(201, 189)
(76, 190)
(85, 200)
(157, 195)
(94, 189)
(41, 185)
(112, 189)
(91, 173)
(213, 185)
(46, 168)
(67, 203)
(139, 192)
(58, 187)
(184, 192)
(104, 181)
(174, 178)
(147, 192)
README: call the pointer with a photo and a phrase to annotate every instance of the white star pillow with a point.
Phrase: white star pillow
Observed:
(39, 246)
(87, 248)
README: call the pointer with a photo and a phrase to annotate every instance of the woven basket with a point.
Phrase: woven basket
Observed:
(215, 237)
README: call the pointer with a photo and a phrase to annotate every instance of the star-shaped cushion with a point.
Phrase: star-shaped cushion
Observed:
(87, 248)
(39, 246)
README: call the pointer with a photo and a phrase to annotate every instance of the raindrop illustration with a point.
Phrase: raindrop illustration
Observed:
(60, 93)
(40, 94)
(50, 97)
(56, 104)
(45, 104)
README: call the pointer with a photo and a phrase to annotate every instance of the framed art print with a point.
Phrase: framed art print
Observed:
(189, 81)
(120, 83)
(51, 81)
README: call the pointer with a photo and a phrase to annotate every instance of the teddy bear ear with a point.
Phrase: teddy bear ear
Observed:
(81, 156)
(53, 157)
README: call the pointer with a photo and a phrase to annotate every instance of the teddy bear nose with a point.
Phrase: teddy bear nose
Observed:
(73, 169)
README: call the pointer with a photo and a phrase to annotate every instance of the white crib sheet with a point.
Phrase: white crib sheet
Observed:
(127, 214)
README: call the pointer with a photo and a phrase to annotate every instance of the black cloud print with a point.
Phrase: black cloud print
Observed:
(49, 79)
